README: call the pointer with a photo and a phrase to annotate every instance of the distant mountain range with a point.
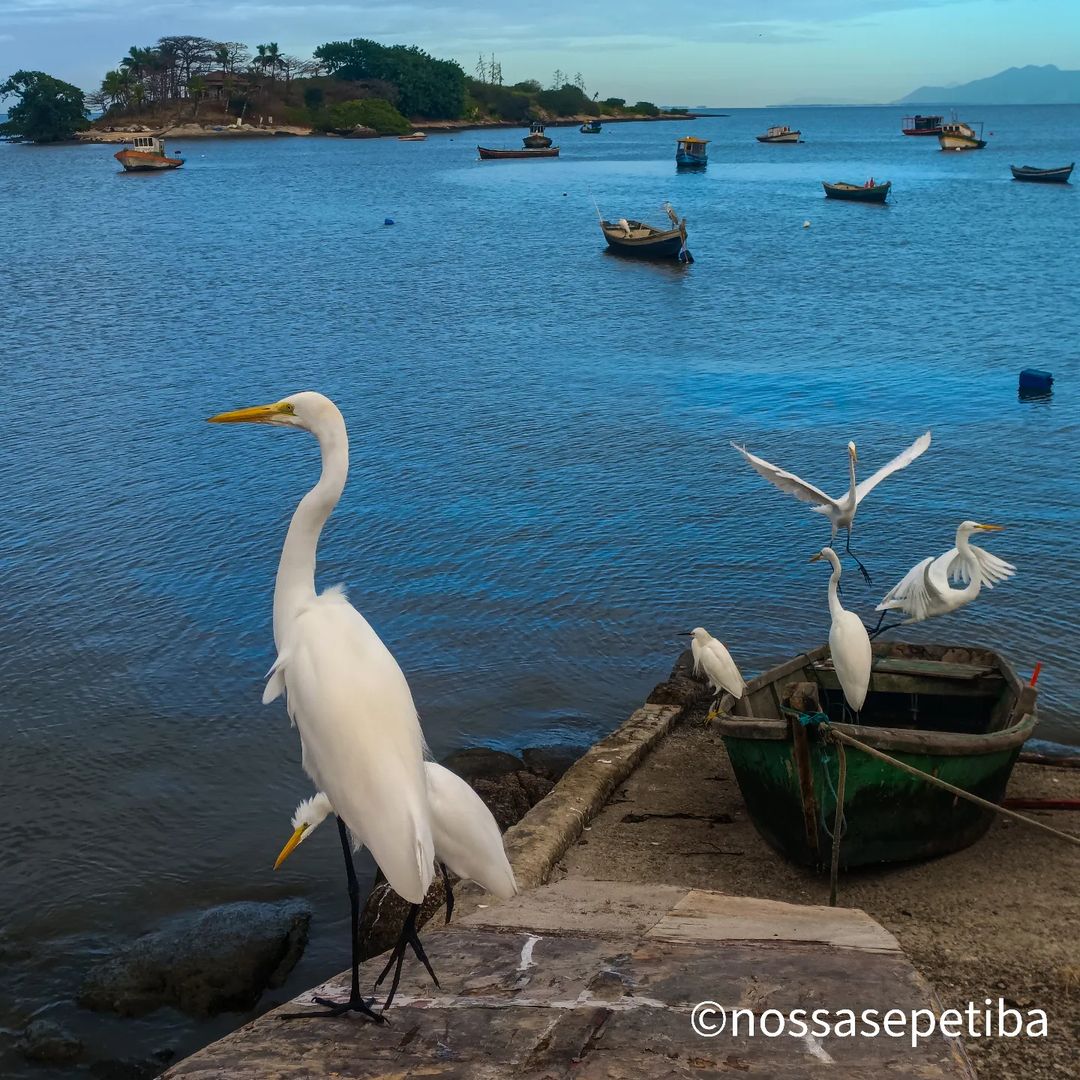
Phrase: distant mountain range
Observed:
(1031, 85)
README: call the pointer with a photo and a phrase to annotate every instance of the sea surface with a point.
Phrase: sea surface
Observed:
(542, 492)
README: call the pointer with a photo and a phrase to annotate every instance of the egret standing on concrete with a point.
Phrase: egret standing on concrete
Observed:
(924, 591)
(467, 843)
(712, 660)
(849, 643)
(840, 512)
(345, 693)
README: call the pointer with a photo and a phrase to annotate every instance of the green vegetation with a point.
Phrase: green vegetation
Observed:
(373, 113)
(48, 110)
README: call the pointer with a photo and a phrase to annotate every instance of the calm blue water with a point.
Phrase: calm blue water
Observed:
(542, 491)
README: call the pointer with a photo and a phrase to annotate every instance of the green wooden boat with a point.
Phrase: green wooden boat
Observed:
(958, 713)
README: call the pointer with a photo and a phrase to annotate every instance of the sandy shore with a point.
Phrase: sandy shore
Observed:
(997, 920)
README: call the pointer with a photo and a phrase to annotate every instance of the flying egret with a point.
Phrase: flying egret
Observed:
(849, 643)
(924, 591)
(467, 842)
(345, 693)
(712, 660)
(840, 512)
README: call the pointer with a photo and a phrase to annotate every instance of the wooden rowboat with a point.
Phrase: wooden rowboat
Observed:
(646, 241)
(958, 713)
(1042, 176)
(874, 193)
(487, 154)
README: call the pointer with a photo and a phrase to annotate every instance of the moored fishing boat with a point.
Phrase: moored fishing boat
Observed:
(492, 154)
(956, 135)
(779, 133)
(922, 125)
(536, 139)
(646, 241)
(868, 192)
(147, 155)
(1042, 176)
(591, 127)
(691, 153)
(957, 713)
(416, 136)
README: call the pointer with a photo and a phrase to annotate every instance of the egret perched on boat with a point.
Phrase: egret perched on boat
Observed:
(849, 642)
(712, 660)
(467, 843)
(840, 512)
(925, 590)
(345, 693)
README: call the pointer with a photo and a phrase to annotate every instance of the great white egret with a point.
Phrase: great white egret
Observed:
(345, 693)
(712, 660)
(849, 643)
(841, 511)
(925, 591)
(467, 842)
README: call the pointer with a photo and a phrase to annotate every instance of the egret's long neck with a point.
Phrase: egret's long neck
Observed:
(835, 608)
(972, 588)
(295, 585)
(851, 474)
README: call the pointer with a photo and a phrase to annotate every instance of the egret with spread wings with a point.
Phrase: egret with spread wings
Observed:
(926, 589)
(841, 511)
(359, 730)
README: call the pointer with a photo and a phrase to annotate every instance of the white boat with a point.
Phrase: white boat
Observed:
(416, 136)
(779, 133)
(956, 135)
(147, 155)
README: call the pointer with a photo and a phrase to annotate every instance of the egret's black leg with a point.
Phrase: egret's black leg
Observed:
(879, 629)
(862, 569)
(356, 1001)
(449, 891)
(408, 937)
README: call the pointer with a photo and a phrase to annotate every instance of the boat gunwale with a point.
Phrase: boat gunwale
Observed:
(905, 740)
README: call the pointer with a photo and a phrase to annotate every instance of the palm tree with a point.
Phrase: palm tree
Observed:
(197, 89)
(116, 89)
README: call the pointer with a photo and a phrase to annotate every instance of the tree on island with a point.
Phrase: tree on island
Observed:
(48, 109)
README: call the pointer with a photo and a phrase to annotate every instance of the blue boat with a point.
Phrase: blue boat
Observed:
(690, 153)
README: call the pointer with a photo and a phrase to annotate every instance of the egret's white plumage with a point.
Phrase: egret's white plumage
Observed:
(849, 642)
(349, 700)
(712, 660)
(841, 511)
(467, 837)
(925, 590)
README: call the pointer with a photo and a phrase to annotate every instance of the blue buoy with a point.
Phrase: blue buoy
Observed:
(1035, 381)
(388, 221)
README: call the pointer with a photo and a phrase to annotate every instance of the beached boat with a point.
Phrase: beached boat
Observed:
(779, 134)
(958, 713)
(922, 125)
(416, 136)
(646, 241)
(956, 135)
(489, 154)
(690, 153)
(591, 127)
(536, 139)
(868, 192)
(1042, 176)
(147, 155)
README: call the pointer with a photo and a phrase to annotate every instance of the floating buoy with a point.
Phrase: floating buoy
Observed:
(388, 221)
(1035, 381)
(806, 224)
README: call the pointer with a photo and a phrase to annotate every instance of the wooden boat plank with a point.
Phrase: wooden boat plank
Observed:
(890, 683)
(903, 665)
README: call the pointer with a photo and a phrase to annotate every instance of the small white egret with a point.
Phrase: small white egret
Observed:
(345, 693)
(840, 512)
(849, 643)
(924, 591)
(467, 842)
(712, 660)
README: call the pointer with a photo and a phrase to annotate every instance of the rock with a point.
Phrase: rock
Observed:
(46, 1041)
(384, 915)
(511, 797)
(681, 687)
(551, 762)
(216, 961)
(481, 761)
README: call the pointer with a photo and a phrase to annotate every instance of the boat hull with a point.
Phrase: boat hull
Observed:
(789, 137)
(960, 142)
(921, 131)
(490, 154)
(690, 161)
(853, 193)
(1029, 175)
(536, 142)
(137, 161)
(665, 246)
(971, 715)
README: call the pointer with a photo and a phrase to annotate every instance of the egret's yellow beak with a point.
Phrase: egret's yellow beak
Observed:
(990, 528)
(257, 414)
(816, 557)
(287, 850)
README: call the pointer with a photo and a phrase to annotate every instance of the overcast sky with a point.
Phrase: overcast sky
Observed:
(719, 52)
